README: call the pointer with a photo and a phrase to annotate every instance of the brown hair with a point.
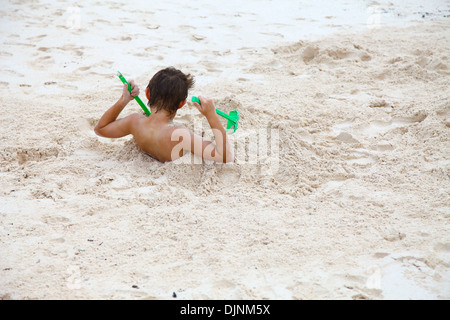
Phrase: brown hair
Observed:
(168, 88)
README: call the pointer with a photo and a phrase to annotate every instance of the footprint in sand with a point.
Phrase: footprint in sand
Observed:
(417, 273)
(106, 63)
(378, 127)
(198, 37)
(362, 158)
(346, 137)
(14, 73)
(34, 38)
(359, 155)
(42, 62)
(444, 114)
(379, 104)
(35, 154)
(5, 54)
(373, 128)
(67, 86)
(103, 22)
(84, 68)
(78, 51)
(442, 249)
(44, 58)
(383, 146)
(228, 175)
(309, 53)
(140, 54)
(54, 219)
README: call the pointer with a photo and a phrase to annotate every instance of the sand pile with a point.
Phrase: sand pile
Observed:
(340, 187)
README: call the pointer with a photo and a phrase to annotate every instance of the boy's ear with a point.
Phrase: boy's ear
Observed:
(147, 93)
(182, 103)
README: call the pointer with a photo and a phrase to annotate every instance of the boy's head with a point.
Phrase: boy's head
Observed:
(168, 89)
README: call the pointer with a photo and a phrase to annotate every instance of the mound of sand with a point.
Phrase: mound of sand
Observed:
(339, 190)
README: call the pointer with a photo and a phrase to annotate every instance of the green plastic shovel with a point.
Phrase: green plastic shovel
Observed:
(232, 117)
(138, 100)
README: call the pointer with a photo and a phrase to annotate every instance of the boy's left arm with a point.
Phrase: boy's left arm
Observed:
(108, 125)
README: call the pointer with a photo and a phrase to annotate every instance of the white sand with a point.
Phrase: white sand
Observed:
(351, 203)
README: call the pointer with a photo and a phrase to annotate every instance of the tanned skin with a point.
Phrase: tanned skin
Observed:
(159, 137)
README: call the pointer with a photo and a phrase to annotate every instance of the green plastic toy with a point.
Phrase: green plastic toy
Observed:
(138, 100)
(232, 117)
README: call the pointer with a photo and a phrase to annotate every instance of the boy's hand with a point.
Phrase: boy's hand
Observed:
(207, 107)
(126, 95)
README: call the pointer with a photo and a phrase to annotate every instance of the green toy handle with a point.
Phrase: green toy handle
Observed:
(138, 100)
(220, 113)
(232, 118)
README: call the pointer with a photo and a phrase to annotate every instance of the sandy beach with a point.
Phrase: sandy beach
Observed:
(340, 188)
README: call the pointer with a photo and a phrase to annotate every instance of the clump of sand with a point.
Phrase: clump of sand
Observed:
(352, 202)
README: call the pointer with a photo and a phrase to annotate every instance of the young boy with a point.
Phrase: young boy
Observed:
(156, 134)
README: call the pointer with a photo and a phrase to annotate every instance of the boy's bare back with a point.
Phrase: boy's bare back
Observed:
(155, 139)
